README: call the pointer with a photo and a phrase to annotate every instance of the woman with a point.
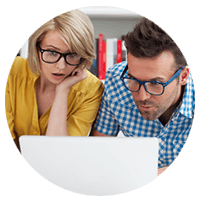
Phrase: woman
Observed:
(51, 93)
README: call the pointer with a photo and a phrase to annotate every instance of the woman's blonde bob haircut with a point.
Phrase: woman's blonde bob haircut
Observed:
(77, 32)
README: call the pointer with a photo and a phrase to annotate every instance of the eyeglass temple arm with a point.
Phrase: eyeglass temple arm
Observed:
(125, 70)
(174, 76)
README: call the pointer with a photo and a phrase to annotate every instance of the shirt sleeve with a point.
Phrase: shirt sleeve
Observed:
(80, 122)
(169, 148)
(106, 122)
(9, 111)
(181, 138)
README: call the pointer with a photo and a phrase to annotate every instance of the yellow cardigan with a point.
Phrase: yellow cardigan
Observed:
(21, 104)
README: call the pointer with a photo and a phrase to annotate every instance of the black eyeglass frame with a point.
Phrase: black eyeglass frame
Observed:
(61, 55)
(177, 73)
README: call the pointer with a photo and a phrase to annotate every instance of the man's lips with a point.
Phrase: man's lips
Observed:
(146, 108)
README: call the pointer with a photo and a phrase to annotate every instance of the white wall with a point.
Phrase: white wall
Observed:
(24, 50)
(112, 22)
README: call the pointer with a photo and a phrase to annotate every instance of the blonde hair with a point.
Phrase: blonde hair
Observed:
(77, 32)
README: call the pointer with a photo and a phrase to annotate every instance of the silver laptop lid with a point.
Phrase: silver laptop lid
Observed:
(93, 165)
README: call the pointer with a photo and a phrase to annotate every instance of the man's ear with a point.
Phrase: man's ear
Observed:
(184, 75)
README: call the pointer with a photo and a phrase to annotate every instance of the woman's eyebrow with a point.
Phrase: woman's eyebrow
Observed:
(51, 46)
(56, 48)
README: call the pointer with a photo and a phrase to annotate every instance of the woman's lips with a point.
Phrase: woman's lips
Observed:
(57, 76)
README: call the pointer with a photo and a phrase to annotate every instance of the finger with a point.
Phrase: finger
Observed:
(75, 72)
(81, 66)
(85, 74)
(79, 69)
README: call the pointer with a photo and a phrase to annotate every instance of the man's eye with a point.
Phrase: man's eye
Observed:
(155, 84)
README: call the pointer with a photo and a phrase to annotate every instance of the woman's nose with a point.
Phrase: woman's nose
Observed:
(61, 64)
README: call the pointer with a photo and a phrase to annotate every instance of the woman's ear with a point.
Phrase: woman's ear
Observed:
(184, 75)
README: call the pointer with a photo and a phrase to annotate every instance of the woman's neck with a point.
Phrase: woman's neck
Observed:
(44, 85)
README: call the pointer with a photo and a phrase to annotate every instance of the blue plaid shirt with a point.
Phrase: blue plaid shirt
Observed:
(118, 112)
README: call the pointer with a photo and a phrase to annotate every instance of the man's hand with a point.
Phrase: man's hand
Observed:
(161, 170)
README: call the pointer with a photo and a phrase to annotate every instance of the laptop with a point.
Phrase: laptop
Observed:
(93, 165)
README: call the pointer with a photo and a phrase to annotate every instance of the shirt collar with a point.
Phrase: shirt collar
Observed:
(188, 103)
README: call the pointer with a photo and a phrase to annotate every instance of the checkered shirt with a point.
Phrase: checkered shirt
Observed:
(118, 112)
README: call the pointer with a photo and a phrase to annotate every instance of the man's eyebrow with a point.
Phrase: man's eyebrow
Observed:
(160, 79)
(131, 76)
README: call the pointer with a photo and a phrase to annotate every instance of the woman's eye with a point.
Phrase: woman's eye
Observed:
(72, 55)
(52, 53)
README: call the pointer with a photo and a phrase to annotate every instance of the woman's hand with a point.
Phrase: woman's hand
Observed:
(76, 76)
(58, 117)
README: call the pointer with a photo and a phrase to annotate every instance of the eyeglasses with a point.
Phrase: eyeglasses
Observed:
(51, 57)
(152, 87)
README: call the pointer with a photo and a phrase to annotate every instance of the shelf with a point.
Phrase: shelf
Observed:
(105, 12)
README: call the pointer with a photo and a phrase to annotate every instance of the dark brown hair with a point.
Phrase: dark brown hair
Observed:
(148, 40)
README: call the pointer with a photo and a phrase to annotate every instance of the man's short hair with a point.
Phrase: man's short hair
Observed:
(148, 40)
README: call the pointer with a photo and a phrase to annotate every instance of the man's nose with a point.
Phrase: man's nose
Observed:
(143, 94)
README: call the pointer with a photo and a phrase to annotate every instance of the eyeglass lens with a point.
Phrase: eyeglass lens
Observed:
(151, 87)
(52, 57)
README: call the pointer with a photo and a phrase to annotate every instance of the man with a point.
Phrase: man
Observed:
(149, 95)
